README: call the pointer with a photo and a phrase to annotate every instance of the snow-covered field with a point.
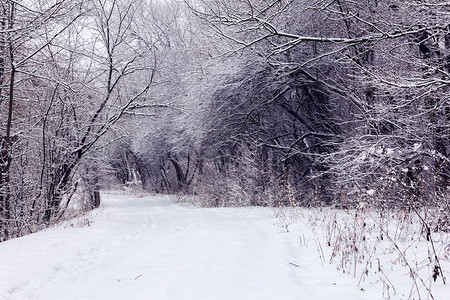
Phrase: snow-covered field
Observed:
(150, 248)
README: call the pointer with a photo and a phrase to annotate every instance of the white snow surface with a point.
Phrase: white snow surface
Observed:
(151, 248)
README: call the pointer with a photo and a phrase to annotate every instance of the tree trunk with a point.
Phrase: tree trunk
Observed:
(181, 179)
(7, 140)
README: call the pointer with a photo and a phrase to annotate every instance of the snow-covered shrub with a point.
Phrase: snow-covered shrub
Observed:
(245, 180)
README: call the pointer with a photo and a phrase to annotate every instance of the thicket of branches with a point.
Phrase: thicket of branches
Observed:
(340, 101)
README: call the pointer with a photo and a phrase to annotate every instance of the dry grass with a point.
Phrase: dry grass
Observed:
(377, 246)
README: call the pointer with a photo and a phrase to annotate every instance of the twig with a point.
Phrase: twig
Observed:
(429, 238)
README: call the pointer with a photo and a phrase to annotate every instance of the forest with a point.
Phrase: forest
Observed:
(313, 103)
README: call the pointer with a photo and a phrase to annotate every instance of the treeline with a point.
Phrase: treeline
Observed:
(237, 102)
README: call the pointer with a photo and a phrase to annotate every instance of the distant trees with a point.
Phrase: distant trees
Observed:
(166, 138)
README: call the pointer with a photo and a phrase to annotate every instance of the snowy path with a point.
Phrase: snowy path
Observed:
(149, 248)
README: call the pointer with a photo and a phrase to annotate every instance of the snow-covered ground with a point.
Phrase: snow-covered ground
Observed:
(150, 248)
